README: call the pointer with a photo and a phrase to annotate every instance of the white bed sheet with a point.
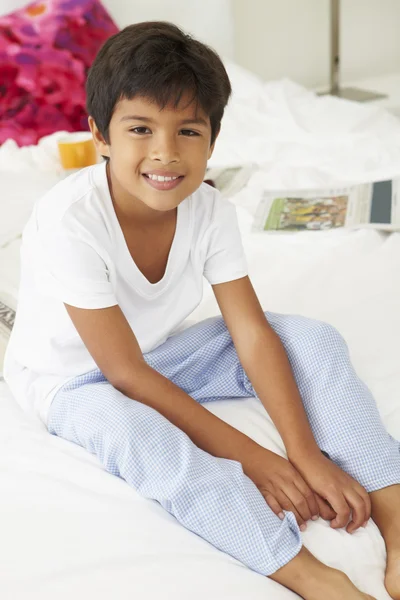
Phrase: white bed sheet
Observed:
(71, 530)
(74, 531)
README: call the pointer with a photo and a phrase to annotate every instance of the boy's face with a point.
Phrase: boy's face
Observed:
(146, 142)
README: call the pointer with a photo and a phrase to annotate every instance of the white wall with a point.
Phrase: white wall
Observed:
(7, 6)
(291, 38)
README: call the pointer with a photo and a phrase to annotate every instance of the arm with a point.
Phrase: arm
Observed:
(264, 359)
(110, 340)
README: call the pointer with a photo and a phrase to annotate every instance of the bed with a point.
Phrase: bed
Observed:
(69, 529)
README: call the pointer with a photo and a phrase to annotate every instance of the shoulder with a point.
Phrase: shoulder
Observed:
(68, 199)
(72, 211)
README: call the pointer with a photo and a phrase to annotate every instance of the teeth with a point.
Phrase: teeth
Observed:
(160, 177)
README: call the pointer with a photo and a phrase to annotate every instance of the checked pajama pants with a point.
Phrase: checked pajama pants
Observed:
(209, 495)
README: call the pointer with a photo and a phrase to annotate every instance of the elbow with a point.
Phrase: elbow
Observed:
(129, 378)
(256, 347)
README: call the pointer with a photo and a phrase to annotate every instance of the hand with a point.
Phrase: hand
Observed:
(347, 497)
(282, 486)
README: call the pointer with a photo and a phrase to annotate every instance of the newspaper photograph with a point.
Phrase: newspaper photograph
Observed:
(373, 205)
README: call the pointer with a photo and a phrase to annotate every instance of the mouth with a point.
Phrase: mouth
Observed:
(163, 183)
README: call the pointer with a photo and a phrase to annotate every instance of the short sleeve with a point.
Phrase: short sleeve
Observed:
(225, 258)
(71, 269)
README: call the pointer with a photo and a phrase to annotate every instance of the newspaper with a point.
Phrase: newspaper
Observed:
(229, 181)
(372, 205)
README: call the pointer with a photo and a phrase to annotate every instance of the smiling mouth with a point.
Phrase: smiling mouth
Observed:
(164, 183)
(159, 177)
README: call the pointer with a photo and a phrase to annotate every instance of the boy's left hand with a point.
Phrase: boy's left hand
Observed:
(349, 500)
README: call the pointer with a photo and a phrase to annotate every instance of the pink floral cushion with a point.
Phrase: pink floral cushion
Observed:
(46, 49)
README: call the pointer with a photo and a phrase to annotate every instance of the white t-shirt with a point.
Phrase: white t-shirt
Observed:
(74, 251)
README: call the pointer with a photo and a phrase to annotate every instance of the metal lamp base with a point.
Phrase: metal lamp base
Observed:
(348, 93)
(356, 95)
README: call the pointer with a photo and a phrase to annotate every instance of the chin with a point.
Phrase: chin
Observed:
(161, 206)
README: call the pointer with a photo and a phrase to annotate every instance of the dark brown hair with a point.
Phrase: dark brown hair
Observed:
(156, 60)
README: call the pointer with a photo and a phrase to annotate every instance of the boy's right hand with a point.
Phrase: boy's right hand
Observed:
(285, 489)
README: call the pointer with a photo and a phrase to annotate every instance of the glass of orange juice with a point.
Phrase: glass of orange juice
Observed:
(77, 150)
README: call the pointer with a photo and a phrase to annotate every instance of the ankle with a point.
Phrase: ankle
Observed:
(307, 576)
(386, 511)
(324, 582)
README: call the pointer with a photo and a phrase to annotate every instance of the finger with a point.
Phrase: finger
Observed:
(358, 510)
(367, 500)
(299, 501)
(274, 505)
(326, 511)
(309, 495)
(289, 506)
(340, 506)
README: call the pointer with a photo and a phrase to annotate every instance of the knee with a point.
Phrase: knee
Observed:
(316, 336)
(328, 335)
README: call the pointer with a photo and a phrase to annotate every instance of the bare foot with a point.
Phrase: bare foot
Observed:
(337, 586)
(312, 580)
(386, 514)
(392, 577)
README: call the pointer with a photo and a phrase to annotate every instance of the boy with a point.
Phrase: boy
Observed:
(112, 263)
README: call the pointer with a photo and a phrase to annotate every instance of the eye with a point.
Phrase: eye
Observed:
(189, 132)
(140, 130)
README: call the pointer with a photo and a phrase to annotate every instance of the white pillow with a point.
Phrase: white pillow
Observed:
(18, 193)
(246, 86)
(8, 6)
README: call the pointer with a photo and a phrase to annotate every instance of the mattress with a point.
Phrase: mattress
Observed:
(72, 530)
(69, 529)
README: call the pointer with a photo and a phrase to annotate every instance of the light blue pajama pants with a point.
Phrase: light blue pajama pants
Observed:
(211, 496)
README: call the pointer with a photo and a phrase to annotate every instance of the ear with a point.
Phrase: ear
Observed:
(211, 150)
(100, 143)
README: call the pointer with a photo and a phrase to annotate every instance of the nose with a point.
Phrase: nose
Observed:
(164, 149)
